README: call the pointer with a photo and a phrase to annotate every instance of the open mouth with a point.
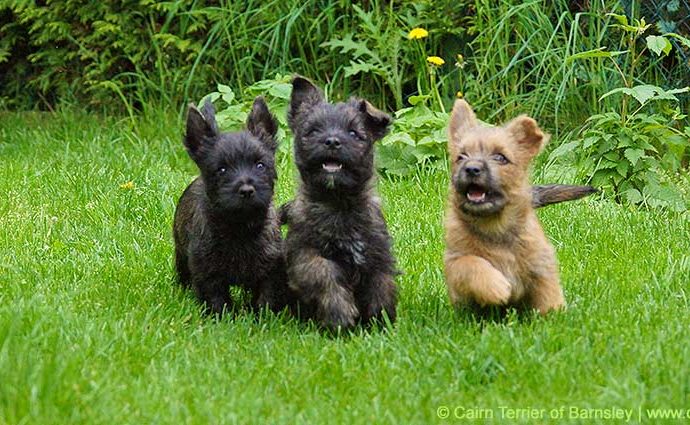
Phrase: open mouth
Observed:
(332, 166)
(476, 194)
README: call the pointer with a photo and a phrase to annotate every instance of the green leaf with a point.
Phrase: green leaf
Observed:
(226, 93)
(396, 160)
(683, 40)
(414, 100)
(403, 138)
(621, 19)
(646, 92)
(658, 44)
(280, 90)
(600, 52)
(664, 195)
(213, 96)
(362, 67)
(622, 168)
(633, 196)
(589, 141)
(563, 149)
(347, 44)
(633, 155)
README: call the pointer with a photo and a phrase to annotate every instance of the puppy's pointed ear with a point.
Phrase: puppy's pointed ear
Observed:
(527, 135)
(376, 121)
(462, 118)
(262, 124)
(201, 128)
(305, 95)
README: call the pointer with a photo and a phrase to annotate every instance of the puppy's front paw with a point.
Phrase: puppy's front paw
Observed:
(218, 306)
(337, 311)
(492, 289)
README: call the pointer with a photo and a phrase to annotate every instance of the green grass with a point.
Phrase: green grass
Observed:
(94, 330)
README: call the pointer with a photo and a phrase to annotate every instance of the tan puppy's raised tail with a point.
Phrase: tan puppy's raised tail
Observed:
(544, 195)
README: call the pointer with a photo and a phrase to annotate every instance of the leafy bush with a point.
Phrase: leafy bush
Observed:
(134, 53)
(634, 153)
(418, 138)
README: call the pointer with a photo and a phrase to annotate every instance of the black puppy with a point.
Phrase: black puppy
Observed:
(226, 229)
(338, 247)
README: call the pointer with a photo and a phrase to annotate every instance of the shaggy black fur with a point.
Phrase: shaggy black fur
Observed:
(226, 229)
(338, 246)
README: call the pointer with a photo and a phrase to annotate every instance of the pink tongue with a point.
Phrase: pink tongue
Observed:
(476, 195)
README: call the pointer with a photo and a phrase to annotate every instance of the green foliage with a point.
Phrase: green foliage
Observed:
(634, 159)
(634, 154)
(375, 49)
(136, 53)
(144, 52)
(417, 139)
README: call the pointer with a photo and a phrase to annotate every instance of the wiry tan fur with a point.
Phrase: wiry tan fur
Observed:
(502, 258)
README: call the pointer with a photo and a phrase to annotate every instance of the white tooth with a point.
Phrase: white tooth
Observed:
(332, 167)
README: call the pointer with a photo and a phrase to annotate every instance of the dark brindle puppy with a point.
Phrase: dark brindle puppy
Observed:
(226, 229)
(338, 246)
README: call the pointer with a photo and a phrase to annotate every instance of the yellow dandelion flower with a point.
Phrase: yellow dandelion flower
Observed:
(435, 60)
(459, 95)
(417, 33)
(127, 186)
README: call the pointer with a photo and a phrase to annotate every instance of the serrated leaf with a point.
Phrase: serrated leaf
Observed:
(612, 156)
(633, 155)
(658, 44)
(633, 196)
(347, 44)
(362, 67)
(624, 141)
(563, 149)
(622, 168)
(668, 195)
(646, 92)
(403, 138)
(432, 140)
(395, 160)
(280, 90)
(589, 141)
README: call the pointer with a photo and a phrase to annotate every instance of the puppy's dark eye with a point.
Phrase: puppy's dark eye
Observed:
(310, 132)
(463, 156)
(260, 165)
(355, 135)
(500, 158)
(221, 170)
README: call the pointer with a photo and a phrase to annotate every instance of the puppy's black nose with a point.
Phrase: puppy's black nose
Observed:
(246, 191)
(473, 170)
(332, 142)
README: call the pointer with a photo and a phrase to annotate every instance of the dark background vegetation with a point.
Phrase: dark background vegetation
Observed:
(107, 54)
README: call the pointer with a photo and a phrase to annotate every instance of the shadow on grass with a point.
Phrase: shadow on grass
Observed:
(496, 315)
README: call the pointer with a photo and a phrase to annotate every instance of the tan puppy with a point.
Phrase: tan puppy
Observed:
(496, 252)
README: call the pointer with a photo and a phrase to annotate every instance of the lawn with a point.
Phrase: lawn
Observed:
(94, 329)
